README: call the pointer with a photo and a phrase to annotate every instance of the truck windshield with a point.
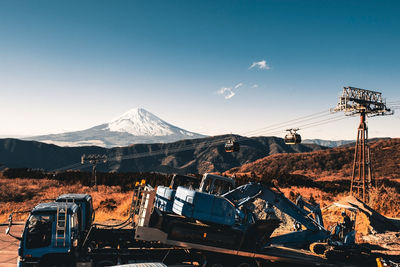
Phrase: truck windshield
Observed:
(39, 231)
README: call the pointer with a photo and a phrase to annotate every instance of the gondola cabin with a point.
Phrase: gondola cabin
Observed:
(292, 138)
(232, 146)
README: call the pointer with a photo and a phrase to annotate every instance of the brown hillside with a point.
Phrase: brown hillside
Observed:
(327, 164)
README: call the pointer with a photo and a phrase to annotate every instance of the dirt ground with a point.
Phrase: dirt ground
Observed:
(9, 246)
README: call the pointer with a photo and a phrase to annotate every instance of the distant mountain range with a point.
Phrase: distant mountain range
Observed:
(337, 143)
(185, 156)
(328, 143)
(133, 127)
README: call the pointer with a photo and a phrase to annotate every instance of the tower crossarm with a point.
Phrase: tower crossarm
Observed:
(355, 100)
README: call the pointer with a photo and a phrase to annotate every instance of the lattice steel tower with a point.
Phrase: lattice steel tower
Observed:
(93, 159)
(366, 103)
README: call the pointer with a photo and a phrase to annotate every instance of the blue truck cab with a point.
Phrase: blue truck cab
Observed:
(85, 202)
(51, 234)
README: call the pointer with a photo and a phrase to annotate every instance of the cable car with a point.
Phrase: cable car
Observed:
(292, 138)
(232, 146)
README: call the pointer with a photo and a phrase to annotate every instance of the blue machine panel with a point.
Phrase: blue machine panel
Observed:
(204, 207)
(164, 198)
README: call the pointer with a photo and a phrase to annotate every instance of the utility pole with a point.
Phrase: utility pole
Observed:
(354, 101)
(93, 159)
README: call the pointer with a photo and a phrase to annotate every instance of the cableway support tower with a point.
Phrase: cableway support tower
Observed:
(355, 101)
(93, 159)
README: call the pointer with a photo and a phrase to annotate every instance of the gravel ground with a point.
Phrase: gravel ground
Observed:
(9, 245)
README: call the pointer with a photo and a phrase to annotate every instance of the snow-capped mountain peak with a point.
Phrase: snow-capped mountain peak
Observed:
(140, 122)
(134, 126)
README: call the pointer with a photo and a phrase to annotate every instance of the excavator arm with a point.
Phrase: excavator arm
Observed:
(314, 231)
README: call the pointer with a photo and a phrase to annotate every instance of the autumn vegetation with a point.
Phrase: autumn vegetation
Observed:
(321, 175)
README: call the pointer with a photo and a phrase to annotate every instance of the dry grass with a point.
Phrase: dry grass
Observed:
(23, 194)
(112, 202)
(386, 201)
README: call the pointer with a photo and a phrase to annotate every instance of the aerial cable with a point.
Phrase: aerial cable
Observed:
(288, 124)
(318, 124)
(207, 143)
(309, 125)
(79, 165)
(321, 123)
(289, 121)
(67, 167)
(164, 151)
(299, 126)
(312, 124)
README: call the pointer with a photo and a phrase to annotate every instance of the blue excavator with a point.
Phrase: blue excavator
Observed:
(228, 219)
(210, 183)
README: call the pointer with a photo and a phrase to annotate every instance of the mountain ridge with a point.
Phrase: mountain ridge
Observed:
(186, 156)
(332, 163)
(132, 127)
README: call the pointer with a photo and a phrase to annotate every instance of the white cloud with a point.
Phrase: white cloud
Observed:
(229, 92)
(223, 90)
(254, 86)
(238, 85)
(262, 65)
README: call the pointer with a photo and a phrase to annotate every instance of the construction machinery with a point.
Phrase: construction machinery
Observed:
(165, 195)
(203, 227)
(341, 242)
(210, 183)
(225, 224)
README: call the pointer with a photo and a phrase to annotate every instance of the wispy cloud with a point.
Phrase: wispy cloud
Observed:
(229, 92)
(254, 86)
(237, 86)
(262, 65)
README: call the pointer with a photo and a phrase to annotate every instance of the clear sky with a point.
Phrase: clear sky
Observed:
(213, 67)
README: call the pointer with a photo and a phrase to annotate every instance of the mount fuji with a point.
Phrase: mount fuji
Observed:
(134, 126)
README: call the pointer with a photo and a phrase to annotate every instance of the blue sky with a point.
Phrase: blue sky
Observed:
(70, 65)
